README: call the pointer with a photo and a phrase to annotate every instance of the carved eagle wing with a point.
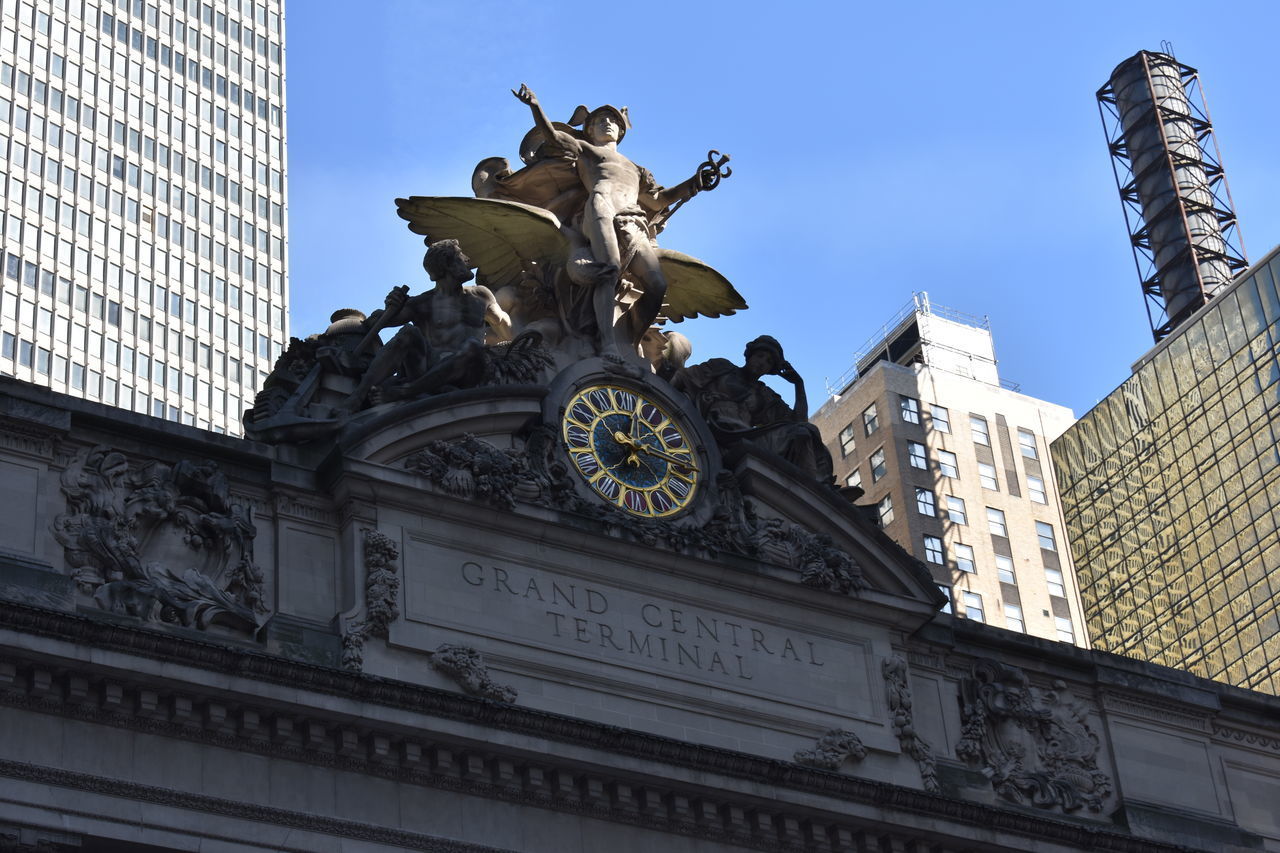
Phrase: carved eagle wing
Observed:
(694, 289)
(500, 237)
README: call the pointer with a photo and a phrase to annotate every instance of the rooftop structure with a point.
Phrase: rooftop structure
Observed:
(957, 467)
(1173, 189)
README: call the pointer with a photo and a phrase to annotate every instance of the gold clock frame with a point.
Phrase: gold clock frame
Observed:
(632, 449)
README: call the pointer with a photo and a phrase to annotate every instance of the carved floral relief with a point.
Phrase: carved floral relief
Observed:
(832, 750)
(160, 542)
(898, 693)
(381, 591)
(466, 666)
(1035, 745)
(469, 467)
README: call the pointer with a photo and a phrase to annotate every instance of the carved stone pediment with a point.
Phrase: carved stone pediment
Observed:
(1035, 745)
(506, 448)
(160, 542)
(503, 449)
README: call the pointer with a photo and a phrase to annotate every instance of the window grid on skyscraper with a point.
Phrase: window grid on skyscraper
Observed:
(144, 208)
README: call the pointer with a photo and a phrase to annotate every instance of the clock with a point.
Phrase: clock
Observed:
(632, 451)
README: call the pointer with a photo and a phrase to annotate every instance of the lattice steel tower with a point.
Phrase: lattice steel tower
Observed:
(1182, 225)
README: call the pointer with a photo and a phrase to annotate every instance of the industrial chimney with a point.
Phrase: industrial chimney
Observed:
(1173, 190)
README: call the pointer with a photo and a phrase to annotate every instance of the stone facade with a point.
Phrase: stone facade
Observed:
(348, 645)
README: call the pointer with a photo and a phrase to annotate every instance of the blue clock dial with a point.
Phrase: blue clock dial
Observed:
(631, 451)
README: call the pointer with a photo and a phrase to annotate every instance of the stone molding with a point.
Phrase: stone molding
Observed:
(24, 838)
(233, 809)
(472, 469)
(1261, 742)
(1151, 709)
(308, 736)
(299, 509)
(926, 660)
(27, 440)
(32, 429)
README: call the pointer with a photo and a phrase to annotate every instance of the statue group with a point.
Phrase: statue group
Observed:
(567, 268)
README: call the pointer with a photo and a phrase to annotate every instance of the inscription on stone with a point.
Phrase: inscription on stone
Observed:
(672, 635)
(767, 653)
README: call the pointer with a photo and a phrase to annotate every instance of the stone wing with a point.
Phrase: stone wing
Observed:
(500, 237)
(695, 289)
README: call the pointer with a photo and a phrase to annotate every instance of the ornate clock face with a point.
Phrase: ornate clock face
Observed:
(631, 451)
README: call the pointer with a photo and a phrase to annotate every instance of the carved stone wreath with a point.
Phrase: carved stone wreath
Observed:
(832, 750)
(160, 542)
(1034, 745)
(466, 666)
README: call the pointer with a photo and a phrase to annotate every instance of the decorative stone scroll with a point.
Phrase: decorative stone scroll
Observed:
(160, 542)
(898, 692)
(466, 666)
(381, 591)
(832, 750)
(1034, 745)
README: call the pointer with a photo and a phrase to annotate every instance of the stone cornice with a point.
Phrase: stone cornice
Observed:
(298, 507)
(236, 809)
(91, 422)
(1145, 708)
(726, 815)
(1256, 740)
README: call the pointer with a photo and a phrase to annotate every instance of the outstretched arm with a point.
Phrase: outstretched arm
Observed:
(658, 199)
(680, 192)
(540, 120)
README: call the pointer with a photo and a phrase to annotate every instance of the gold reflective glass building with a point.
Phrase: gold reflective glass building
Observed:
(1171, 495)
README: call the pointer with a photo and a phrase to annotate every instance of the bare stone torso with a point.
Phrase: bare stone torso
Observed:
(449, 320)
(613, 181)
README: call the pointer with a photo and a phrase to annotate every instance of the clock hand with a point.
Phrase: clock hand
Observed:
(622, 438)
(640, 461)
(653, 451)
(635, 419)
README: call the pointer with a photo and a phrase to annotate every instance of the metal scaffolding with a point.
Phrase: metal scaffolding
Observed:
(1173, 190)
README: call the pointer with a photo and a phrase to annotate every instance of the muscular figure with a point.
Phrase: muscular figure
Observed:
(621, 200)
(440, 344)
(739, 407)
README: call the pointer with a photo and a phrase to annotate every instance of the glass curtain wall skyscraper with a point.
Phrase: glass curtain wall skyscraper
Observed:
(144, 224)
(1171, 492)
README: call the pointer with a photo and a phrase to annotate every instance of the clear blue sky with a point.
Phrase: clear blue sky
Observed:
(878, 149)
